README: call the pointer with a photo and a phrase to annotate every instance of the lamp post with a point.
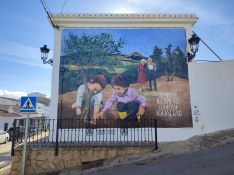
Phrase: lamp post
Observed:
(194, 45)
(44, 55)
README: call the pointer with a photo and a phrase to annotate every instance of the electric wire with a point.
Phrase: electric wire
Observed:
(64, 3)
(50, 16)
(63, 6)
(208, 47)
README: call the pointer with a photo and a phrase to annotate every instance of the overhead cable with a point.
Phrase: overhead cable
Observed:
(50, 16)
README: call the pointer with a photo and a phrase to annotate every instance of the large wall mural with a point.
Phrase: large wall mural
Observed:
(125, 74)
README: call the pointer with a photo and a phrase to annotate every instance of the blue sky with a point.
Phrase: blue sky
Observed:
(25, 28)
(145, 41)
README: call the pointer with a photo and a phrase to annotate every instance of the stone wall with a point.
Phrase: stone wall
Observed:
(44, 161)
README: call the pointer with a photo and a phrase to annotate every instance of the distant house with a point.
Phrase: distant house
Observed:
(37, 94)
(8, 101)
(9, 110)
(43, 107)
(43, 104)
(7, 115)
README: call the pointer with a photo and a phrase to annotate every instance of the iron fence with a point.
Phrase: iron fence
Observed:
(60, 133)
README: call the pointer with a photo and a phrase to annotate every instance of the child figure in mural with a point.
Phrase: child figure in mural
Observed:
(142, 75)
(151, 74)
(130, 104)
(89, 98)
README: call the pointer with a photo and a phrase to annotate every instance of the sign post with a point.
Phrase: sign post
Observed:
(27, 105)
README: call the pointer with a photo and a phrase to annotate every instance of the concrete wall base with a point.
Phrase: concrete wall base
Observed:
(43, 160)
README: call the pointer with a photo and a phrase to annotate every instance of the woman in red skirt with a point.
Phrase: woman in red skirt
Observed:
(142, 75)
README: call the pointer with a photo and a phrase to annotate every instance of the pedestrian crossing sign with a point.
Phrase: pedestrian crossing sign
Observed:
(28, 104)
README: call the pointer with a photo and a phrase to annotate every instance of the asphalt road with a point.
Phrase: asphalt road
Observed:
(215, 161)
(4, 148)
(5, 159)
(5, 156)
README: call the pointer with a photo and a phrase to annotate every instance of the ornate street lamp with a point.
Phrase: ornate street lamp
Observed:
(194, 45)
(44, 55)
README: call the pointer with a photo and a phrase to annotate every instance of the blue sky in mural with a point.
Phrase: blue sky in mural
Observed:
(139, 40)
(25, 28)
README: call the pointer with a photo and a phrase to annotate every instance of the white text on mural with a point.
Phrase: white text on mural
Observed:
(168, 105)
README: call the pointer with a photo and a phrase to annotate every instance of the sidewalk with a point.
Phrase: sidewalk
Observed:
(194, 144)
(5, 158)
(6, 169)
(5, 163)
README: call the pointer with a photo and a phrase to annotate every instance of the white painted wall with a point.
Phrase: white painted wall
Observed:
(43, 110)
(212, 92)
(4, 120)
(55, 74)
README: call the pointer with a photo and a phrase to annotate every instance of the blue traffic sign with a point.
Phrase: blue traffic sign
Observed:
(28, 104)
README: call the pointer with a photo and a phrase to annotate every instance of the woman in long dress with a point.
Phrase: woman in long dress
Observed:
(142, 75)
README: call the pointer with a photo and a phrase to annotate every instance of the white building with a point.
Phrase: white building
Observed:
(43, 107)
(8, 101)
(7, 115)
(37, 94)
(9, 110)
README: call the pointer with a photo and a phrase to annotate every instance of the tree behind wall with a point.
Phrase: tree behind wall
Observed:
(171, 64)
(87, 52)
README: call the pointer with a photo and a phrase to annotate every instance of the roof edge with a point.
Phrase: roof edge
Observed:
(96, 19)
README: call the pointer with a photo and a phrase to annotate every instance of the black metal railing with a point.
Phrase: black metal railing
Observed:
(59, 133)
